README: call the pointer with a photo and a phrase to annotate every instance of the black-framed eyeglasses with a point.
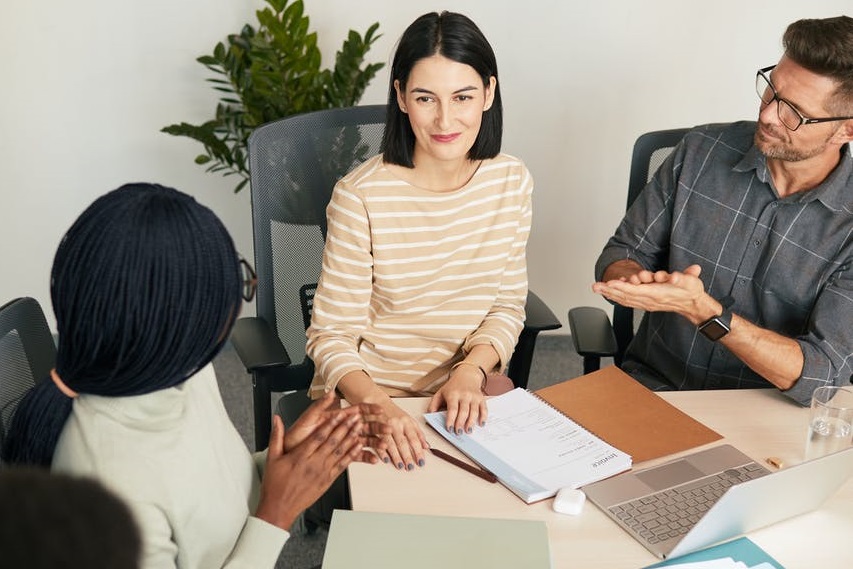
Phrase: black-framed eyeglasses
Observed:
(789, 115)
(249, 279)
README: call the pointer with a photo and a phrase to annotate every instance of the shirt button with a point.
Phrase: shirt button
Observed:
(756, 243)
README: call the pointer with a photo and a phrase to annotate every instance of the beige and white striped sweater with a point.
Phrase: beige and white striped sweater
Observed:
(412, 278)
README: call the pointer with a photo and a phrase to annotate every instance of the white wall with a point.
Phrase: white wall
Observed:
(86, 86)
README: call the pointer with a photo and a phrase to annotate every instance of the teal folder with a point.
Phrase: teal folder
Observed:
(380, 541)
(742, 549)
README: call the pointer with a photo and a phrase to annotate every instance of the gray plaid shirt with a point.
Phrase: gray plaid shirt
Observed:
(786, 262)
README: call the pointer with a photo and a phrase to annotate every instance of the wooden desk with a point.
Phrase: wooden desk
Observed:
(760, 422)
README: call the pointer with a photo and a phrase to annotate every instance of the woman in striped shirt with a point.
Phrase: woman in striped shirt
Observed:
(424, 277)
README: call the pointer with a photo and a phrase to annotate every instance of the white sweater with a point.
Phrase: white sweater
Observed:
(177, 460)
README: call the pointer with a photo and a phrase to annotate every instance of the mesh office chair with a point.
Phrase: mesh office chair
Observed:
(27, 353)
(592, 334)
(294, 164)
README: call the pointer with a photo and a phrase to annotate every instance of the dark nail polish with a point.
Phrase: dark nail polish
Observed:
(458, 431)
(399, 466)
(469, 430)
(411, 466)
(386, 460)
(421, 462)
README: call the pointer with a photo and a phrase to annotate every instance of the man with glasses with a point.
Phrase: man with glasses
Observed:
(740, 249)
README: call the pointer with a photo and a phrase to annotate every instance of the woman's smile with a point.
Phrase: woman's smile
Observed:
(445, 137)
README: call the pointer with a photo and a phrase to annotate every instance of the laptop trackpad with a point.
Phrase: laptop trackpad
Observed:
(669, 475)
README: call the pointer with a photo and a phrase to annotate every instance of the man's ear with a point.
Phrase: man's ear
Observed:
(490, 93)
(846, 131)
(400, 101)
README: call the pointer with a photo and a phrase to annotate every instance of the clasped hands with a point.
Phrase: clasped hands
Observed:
(681, 292)
(303, 461)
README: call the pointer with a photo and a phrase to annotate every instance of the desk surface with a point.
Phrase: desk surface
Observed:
(760, 422)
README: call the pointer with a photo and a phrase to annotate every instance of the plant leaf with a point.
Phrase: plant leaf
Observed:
(271, 71)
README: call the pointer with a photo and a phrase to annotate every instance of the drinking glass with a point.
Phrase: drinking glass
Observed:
(830, 421)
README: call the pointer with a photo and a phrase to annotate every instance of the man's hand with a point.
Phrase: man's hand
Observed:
(661, 291)
(777, 358)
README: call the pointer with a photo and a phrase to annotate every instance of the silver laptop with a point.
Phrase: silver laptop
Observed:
(712, 495)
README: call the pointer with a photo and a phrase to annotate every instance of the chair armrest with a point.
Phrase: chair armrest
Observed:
(592, 333)
(538, 316)
(256, 344)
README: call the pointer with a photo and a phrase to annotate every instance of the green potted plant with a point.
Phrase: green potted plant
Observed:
(269, 73)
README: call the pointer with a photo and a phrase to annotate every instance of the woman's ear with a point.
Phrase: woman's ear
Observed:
(490, 93)
(400, 100)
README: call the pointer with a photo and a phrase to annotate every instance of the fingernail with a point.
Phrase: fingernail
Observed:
(411, 466)
(458, 431)
(386, 460)
(469, 430)
(421, 462)
(399, 466)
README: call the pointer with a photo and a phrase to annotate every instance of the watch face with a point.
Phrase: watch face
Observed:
(714, 329)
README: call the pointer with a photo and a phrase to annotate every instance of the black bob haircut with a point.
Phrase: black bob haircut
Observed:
(457, 38)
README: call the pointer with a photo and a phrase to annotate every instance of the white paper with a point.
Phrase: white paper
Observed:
(534, 449)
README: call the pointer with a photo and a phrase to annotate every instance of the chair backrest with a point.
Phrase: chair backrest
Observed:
(294, 163)
(650, 150)
(27, 353)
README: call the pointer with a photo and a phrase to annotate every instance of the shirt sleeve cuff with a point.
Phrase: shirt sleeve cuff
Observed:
(802, 390)
(609, 256)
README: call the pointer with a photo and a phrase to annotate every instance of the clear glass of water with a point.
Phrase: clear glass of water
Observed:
(830, 421)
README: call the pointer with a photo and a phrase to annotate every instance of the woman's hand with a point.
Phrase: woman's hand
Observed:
(406, 443)
(295, 479)
(463, 396)
(322, 410)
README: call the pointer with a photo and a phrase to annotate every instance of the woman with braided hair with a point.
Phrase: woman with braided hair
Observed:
(145, 287)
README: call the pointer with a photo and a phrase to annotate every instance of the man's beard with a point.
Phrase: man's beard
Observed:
(778, 149)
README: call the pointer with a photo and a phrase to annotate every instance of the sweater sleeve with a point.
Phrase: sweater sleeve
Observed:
(505, 320)
(258, 545)
(342, 299)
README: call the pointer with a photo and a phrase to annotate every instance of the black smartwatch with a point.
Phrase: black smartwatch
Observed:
(718, 326)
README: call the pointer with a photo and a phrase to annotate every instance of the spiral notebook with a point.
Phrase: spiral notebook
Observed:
(534, 449)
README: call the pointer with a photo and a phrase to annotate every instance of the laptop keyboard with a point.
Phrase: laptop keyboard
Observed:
(671, 513)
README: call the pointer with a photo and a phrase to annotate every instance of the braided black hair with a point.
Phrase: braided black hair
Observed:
(145, 287)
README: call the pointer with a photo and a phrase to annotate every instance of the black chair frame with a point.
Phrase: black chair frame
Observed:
(27, 354)
(256, 339)
(593, 335)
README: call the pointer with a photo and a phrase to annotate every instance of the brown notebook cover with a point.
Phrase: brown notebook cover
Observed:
(613, 406)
